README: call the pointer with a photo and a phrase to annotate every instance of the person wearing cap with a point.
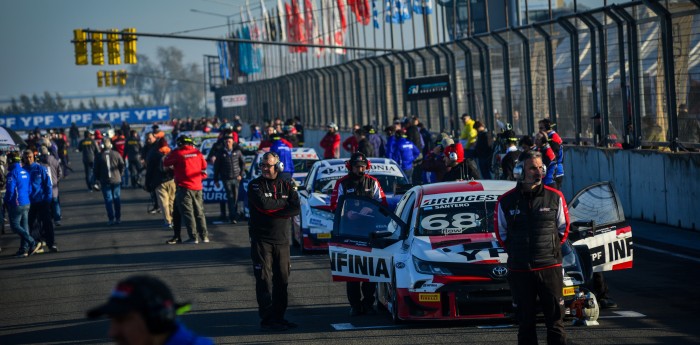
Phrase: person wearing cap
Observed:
(363, 144)
(40, 195)
(407, 154)
(88, 147)
(229, 167)
(378, 141)
(457, 166)
(331, 142)
(109, 167)
(189, 168)
(142, 310)
(17, 200)
(511, 156)
(357, 182)
(468, 136)
(273, 202)
(56, 174)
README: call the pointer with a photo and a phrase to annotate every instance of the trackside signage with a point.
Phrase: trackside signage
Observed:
(435, 86)
(231, 101)
(85, 118)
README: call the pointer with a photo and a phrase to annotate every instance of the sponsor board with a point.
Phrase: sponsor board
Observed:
(213, 192)
(85, 118)
(231, 101)
(360, 266)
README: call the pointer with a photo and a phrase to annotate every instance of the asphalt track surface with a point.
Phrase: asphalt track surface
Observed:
(43, 298)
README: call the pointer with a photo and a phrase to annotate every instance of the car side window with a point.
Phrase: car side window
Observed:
(407, 211)
(400, 205)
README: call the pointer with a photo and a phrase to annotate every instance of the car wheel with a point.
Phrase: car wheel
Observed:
(395, 302)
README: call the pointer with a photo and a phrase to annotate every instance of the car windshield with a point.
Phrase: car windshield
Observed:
(389, 183)
(445, 216)
(303, 165)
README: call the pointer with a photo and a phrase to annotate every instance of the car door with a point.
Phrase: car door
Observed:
(365, 237)
(598, 223)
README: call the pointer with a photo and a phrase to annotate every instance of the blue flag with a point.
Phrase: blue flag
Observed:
(423, 5)
(223, 60)
(397, 11)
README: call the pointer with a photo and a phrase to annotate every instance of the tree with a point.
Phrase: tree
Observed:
(167, 82)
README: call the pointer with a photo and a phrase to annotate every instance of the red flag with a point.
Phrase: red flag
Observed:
(341, 12)
(361, 10)
(298, 23)
(312, 35)
(291, 35)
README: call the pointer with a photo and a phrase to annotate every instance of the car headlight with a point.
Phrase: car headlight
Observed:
(426, 267)
(322, 214)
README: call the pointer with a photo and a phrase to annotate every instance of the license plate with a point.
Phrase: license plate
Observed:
(323, 235)
(569, 290)
(429, 297)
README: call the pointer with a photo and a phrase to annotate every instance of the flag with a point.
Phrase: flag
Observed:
(223, 60)
(337, 25)
(273, 28)
(361, 10)
(375, 14)
(244, 55)
(265, 22)
(255, 51)
(311, 25)
(281, 21)
(396, 11)
(420, 5)
(297, 25)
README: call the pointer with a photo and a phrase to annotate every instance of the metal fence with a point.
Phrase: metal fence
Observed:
(627, 73)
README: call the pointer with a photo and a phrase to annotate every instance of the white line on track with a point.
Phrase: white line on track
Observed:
(691, 258)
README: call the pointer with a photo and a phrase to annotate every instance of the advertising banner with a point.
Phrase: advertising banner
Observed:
(435, 86)
(234, 101)
(84, 118)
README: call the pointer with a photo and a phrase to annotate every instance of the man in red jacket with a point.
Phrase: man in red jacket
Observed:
(331, 142)
(189, 168)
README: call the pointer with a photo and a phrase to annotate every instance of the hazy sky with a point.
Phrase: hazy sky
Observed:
(37, 55)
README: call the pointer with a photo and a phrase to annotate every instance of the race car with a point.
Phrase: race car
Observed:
(302, 157)
(436, 256)
(311, 230)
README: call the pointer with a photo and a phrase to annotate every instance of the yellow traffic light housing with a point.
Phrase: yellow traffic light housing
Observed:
(121, 76)
(100, 78)
(129, 45)
(98, 51)
(81, 51)
(113, 76)
(113, 53)
(108, 78)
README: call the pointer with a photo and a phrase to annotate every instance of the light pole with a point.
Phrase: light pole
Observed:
(228, 17)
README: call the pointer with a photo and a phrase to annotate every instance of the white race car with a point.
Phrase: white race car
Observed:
(436, 256)
(312, 228)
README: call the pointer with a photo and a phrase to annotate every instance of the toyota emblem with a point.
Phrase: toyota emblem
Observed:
(499, 272)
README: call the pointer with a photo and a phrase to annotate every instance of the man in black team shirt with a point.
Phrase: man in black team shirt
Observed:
(273, 202)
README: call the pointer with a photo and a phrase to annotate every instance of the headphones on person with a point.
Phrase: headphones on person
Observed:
(279, 166)
(518, 172)
(453, 156)
(357, 157)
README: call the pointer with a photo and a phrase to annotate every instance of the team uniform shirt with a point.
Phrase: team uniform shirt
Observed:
(363, 186)
(17, 187)
(189, 167)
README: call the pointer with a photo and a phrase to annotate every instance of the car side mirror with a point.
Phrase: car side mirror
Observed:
(581, 229)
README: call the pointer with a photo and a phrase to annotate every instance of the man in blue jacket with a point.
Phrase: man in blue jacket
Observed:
(17, 201)
(40, 196)
(285, 154)
(408, 153)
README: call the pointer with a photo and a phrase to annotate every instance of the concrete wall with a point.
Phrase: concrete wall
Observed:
(659, 187)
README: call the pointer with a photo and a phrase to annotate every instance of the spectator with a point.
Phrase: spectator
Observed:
(255, 133)
(378, 141)
(142, 310)
(456, 166)
(74, 134)
(133, 154)
(548, 159)
(39, 199)
(284, 153)
(273, 201)
(331, 142)
(229, 167)
(557, 145)
(468, 136)
(413, 132)
(109, 167)
(511, 156)
(300, 130)
(88, 146)
(56, 174)
(483, 149)
(267, 142)
(145, 152)
(350, 143)
(408, 153)
(160, 181)
(434, 163)
(189, 168)
(363, 144)
(17, 201)
(290, 133)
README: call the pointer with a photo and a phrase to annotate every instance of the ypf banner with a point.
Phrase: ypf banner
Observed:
(85, 118)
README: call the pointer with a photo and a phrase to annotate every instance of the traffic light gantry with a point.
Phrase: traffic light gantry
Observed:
(81, 38)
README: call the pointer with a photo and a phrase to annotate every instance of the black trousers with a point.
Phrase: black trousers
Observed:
(41, 218)
(357, 290)
(271, 267)
(526, 287)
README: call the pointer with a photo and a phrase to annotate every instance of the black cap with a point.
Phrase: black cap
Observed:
(185, 140)
(358, 158)
(136, 293)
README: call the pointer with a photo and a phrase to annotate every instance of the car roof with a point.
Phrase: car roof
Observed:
(467, 186)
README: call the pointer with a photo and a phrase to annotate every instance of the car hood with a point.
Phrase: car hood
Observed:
(480, 248)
